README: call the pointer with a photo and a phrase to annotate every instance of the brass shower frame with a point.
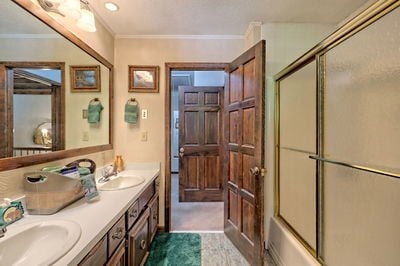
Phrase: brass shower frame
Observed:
(317, 53)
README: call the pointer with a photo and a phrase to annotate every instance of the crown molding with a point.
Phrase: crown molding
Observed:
(195, 37)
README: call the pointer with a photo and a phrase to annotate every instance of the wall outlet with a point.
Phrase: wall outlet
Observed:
(145, 114)
(143, 136)
(85, 136)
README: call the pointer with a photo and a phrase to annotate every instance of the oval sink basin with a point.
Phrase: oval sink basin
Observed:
(40, 243)
(121, 182)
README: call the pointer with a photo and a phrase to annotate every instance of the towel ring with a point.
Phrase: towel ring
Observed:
(132, 101)
(95, 100)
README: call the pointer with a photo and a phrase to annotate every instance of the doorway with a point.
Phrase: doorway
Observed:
(196, 149)
(243, 148)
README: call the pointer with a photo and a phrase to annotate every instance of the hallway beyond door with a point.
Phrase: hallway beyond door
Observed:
(194, 216)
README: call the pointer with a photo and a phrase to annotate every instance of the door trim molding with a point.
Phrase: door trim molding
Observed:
(169, 67)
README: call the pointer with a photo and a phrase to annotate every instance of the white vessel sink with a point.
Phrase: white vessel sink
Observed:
(39, 243)
(121, 182)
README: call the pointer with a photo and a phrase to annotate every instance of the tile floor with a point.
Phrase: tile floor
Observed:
(216, 248)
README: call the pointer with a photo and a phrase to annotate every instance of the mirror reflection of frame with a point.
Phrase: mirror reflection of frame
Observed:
(85, 78)
(22, 16)
(143, 79)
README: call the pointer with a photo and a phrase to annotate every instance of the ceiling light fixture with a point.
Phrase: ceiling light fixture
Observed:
(78, 10)
(111, 6)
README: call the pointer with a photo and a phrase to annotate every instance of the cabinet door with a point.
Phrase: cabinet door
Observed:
(118, 259)
(153, 220)
(138, 240)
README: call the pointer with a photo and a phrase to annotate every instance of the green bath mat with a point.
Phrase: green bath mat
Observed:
(175, 249)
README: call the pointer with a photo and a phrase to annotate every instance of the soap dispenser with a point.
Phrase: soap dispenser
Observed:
(119, 164)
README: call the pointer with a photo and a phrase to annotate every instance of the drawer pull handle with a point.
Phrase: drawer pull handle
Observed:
(118, 234)
(133, 214)
(143, 244)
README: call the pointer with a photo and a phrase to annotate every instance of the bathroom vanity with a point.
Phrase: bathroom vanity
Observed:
(115, 230)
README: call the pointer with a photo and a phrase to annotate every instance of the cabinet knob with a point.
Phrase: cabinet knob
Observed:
(134, 213)
(143, 244)
(118, 234)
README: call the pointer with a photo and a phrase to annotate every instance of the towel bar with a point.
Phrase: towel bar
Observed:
(359, 167)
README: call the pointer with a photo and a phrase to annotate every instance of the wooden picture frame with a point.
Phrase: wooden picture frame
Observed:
(144, 79)
(85, 78)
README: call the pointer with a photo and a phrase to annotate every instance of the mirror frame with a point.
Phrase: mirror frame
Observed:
(18, 162)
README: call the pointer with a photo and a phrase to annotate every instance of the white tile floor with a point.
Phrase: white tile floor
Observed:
(218, 250)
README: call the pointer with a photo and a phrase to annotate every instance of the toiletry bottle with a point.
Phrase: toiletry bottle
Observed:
(119, 164)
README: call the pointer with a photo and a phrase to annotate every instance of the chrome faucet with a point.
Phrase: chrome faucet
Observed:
(3, 230)
(107, 174)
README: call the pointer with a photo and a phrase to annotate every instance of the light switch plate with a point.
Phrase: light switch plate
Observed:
(145, 114)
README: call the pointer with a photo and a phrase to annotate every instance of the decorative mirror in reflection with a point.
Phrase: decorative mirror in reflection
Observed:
(39, 113)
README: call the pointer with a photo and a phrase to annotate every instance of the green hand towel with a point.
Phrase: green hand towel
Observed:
(94, 111)
(131, 112)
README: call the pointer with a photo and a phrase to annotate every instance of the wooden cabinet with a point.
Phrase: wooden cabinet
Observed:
(138, 238)
(132, 214)
(153, 219)
(119, 257)
(128, 241)
(98, 254)
(116, 235)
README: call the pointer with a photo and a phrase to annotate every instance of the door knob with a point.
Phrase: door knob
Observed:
(181, 152)
(254, 171)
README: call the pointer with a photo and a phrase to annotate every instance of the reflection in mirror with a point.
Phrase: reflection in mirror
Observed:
(36, 93)
(35, 89)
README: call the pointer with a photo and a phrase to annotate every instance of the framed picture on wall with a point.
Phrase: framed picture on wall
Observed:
(143, 79)
(85, 78)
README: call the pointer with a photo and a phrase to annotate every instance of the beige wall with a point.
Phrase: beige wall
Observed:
(156, 52)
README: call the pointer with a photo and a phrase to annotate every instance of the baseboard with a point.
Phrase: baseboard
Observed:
(285, 249)
(274, 255)
(161, 229)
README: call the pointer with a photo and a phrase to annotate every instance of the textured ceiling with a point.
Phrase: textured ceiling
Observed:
(216, 17)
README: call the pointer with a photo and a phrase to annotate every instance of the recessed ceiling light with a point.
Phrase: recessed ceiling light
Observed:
(111, 6)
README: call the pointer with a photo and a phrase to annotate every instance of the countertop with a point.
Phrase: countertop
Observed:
(96, 218)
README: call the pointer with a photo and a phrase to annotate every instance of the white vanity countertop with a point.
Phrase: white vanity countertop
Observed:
(96, 218)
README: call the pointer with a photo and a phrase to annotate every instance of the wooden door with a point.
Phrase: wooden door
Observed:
(244, 153)
(200, 143)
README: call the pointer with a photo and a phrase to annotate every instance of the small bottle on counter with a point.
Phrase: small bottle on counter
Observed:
(89, 186)
(119, 164)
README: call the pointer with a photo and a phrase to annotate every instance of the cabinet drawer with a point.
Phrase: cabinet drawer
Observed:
(116, 235)
(146, 196)
(98, 254)
(138, 240)
(132, 214)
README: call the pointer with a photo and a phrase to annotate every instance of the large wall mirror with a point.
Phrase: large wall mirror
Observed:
(51, 87)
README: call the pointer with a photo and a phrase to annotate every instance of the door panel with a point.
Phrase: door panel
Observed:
(200, 140)
(244, 150)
